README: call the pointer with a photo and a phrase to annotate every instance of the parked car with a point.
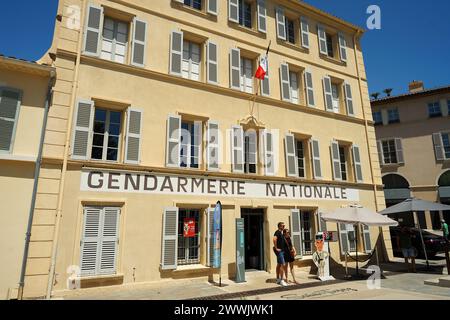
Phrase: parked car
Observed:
(434, 244)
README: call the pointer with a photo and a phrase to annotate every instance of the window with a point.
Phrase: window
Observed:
(294, 85)
(246, 75)
(336, 98)
(377, 117)
(393, 116)
(189, 147)
(114, 40)
(330, 45)
(300, 154)
(434, 110)
(191, 61)
(389, 152)
(307, 232)
(446, 145)
(351, 237)
(107, 134)
(196, 4)
(250, 151)
(290, 30)
(188, 247)
(343, 161)
(10, 100)
(245, 13)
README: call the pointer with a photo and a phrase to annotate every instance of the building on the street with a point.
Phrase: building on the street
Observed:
(156, 116)
(412, 131)
(24, 94)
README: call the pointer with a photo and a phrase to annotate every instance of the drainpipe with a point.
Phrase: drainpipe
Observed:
(37, 170)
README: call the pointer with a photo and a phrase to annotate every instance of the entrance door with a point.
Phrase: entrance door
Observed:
(254, 238)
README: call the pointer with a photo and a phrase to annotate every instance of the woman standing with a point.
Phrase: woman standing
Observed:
(289, 254)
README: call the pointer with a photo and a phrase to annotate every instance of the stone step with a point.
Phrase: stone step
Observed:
(432, 282)
(444, 282)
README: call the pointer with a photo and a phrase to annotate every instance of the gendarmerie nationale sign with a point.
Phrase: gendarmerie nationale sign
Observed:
(126, 182)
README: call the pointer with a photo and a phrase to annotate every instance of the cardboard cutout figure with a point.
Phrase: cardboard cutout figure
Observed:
(321, 258)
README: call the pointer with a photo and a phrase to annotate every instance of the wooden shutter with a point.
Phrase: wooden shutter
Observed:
(109, 240)
(93, 31)
(90, 242)
(169, 254)
(176, 52)
(343, 238)
(357, 163)
(269, 154)
(233, 10)
(281, 23)
(337, 174)
(139, 42)
(212, 7)
(82, 130)
(322, 39)
(322, 224)
(262, 19)
(399, 150)
(327, 93)
(349, 99)
(196, 145)
(291, 159)
(342, 47)
(237, 149)
(212, 63)
(265, 84)
(315, 153)
(304, 28)
(380, 152)
(213, 147)
(384, 117)
(438, 146)
(309, 89)
(285, 82)
(296, 232)
(210, 238)
(235, 69)
(173, 141)
(367, 242)
(10, 100)
(133, 137)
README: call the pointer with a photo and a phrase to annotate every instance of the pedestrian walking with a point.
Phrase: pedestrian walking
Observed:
(290, 253)
(409, 252)
(445, 230)
(279, 244)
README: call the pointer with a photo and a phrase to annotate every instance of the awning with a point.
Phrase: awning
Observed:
(356, 214)
(415, 205)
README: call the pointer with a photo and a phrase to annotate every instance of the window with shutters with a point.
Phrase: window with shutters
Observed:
(188, 246)
(343, 162)
(196, 4)
(389, 151)
(300, 154)
(377, 118)
(434, 110)
(190, 145)
(290, 30)
(393, 116)
(307, 224)
(10, 100)
(250, 151)
(446, 144)
(191, 60)
(338, 96)
(330, 45)
(247, 75)
(351, 231)
(114, 40)
(106, 135)
(295, 87)
(245, 12)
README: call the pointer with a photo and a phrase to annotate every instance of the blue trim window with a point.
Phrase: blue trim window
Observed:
(434, 110)
(377, 117)
(393, 116)
(196, 4)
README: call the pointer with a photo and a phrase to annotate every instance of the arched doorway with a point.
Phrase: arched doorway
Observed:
(396, 190)
(444, 196)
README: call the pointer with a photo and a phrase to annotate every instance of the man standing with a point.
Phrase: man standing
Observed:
(405, 243)
(279, 244)
(445, 230)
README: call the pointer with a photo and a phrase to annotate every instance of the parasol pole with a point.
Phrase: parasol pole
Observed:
(356, 244)
(421, 239)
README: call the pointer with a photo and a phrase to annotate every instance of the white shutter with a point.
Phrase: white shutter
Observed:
(367, 241)
(343, 238)
(337, 174)
(285, 82)
(322, 39)
(269, 154)
(90, 243)
(281, 23)
(109, 240)
(139, 42)
(304, 28)
(84, 120)
(169, 252)
(133, 138)
(210, 238)
(342, 47)
(327, 93)
(265, 84)
(380, 152)
(235, 69)
(233, 10)
(384, 117)
(10, 100)
(176, 52)
(315, 153)
(296, 232)
(93, 30)
(212, 63)
(173, 141)
(399, 151)
(213, 148)
(310, 101)
(357, 163)
(197, 143)
(237, 149)
(438, 146)
(262, 20)
(212, 7)
(349, 99)
(291, 159)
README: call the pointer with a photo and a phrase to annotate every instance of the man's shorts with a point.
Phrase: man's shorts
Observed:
(280, 258)
(409, 252)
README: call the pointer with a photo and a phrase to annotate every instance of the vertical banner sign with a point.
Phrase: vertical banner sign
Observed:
(240, 251)
(217, 227)
(189, 227)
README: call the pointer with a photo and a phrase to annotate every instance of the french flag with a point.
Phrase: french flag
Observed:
(262, 69)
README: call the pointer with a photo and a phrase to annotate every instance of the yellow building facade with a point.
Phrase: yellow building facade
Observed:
(156, 116)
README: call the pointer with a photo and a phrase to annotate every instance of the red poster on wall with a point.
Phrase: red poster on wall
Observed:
(189, 227)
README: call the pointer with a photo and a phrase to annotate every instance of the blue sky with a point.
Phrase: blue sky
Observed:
(413, 43)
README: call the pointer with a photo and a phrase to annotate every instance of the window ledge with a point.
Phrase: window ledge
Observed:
(333, 60)
(101, 280)
(201, 13)
(191, 267)
(251, 31)
(293, 46)
(15, 157)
